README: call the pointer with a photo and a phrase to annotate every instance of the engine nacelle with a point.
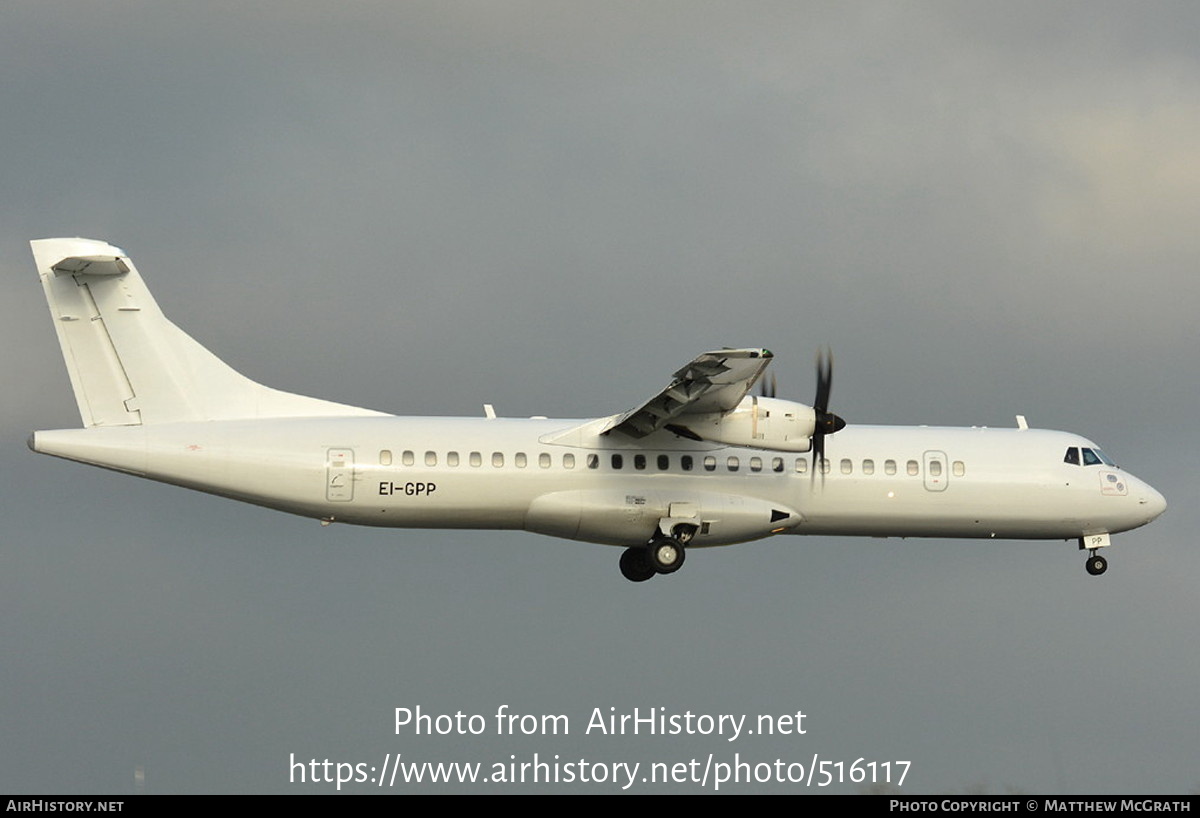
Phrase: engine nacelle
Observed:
(758, 423)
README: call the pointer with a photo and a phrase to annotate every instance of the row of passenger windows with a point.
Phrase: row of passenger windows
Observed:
(663, 462)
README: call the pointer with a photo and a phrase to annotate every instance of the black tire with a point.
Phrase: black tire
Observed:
(1096, 565)
(635, 565)
(666, 555)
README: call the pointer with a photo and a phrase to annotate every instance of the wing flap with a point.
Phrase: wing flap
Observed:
(714, 382)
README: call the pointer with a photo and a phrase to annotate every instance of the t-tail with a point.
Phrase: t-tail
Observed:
(129, 365)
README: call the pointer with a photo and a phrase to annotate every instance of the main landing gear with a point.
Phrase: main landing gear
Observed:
(635, 564)
(662, 555)
(1096, 564)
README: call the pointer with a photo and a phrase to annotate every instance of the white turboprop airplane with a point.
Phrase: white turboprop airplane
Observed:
(702, 463)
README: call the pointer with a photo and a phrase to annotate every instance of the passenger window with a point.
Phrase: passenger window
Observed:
(756, 464)
(732, 463)
(544, 460)
(385, 457)
(777, 464)
(568, 461)
(914, 468)
(476, 459)
(1072, 455)
(935, 468)
(618, 461)
(685, 462)
(452, 458)
(430, 458)
(868, 467)
(498, 459)
(889, 467)
(847, 465)
(593, 461)
(824, 465)
(408, 458)
(664, 462)
(710, 463)
(521, 460)
(960, 468)
(801, 465)
(639, 461)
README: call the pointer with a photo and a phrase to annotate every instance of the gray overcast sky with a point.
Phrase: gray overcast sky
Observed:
(984, 209)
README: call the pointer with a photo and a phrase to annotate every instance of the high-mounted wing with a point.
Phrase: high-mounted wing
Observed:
(715, 382)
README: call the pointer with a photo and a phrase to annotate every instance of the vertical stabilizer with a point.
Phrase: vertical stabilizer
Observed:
(128, 364)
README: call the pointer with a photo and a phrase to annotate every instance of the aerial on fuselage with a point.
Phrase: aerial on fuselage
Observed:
(707, 461)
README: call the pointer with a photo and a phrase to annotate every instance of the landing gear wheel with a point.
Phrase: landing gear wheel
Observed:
(635, 565)
(666, 555)
(1096, 565)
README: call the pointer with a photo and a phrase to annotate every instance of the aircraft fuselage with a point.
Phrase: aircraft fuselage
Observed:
(505, 473)
(702, 462)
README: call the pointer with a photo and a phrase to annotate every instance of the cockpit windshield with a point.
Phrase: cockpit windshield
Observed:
(1085, 456)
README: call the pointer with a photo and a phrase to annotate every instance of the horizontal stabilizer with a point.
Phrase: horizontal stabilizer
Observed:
(92, 266)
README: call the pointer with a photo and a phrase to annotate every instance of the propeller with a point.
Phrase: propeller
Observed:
(826, 422)
(766, 388)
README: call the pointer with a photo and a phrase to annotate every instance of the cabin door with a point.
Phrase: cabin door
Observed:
(339, 475)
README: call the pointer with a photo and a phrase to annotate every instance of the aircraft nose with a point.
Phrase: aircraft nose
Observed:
(1151, 501)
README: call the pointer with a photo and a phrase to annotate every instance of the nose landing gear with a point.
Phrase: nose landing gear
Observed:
(1096, 564)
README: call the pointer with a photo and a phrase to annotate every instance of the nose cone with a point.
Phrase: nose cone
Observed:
(1151, 502)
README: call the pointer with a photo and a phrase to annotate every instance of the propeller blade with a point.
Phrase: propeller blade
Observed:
(818, 450)
(824, 379)
(826, 423)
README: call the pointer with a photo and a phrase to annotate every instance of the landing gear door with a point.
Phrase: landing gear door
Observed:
(936, 474)
(339, 475)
